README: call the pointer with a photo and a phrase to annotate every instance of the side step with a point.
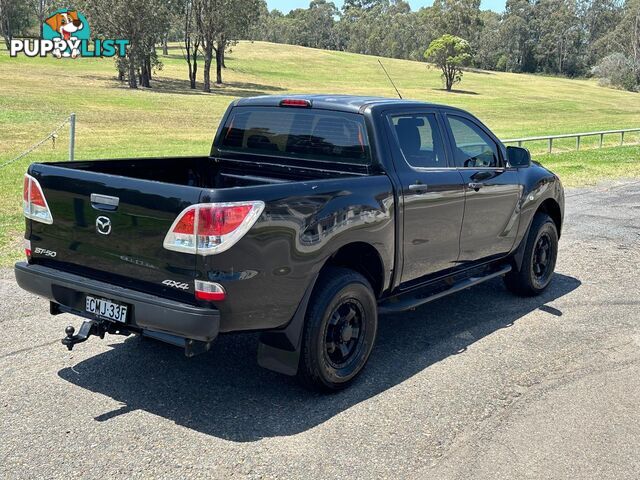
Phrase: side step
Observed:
(415, 298)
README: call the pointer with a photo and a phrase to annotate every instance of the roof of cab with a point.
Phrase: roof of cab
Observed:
(345, 103)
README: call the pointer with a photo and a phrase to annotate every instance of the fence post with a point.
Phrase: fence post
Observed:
(578, 143)
(519, 144)
(550, 144)
(72, 135)
(601, 137)
(621, 138)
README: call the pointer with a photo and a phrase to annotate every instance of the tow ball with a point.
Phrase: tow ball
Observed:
(91, 327)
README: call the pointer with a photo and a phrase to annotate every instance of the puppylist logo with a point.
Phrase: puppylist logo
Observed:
(66, 34)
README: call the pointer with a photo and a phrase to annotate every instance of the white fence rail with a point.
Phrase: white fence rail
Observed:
(577, 136)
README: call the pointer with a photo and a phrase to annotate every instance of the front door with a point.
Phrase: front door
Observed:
(492, 190)
(432, 191)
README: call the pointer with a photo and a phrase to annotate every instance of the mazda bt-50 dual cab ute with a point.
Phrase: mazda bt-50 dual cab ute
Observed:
(311, 215)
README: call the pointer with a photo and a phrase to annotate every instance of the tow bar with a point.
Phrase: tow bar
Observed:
(91, 327)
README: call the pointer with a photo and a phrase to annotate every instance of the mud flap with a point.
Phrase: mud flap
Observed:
(518, 255)
(279, 350)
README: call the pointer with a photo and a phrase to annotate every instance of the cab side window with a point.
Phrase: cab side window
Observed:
(472, 146)
(419, 139)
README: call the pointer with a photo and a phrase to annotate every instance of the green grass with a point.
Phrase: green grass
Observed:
(170, 119)
(591, 166)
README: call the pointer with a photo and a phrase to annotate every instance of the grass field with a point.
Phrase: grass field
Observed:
(170, 119)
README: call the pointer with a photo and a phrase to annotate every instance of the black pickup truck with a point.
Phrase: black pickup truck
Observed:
(311, 215)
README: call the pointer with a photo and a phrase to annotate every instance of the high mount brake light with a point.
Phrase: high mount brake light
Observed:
(210, 228)
(295, 102)
(34, 203)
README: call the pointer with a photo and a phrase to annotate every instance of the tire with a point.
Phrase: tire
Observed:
(539, 259)
(340, 330)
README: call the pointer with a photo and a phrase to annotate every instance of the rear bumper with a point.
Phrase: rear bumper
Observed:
(148, 312)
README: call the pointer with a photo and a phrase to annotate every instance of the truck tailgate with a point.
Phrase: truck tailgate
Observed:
(119, 243)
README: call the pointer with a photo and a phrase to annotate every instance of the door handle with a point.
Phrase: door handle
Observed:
(418, 187)
(476, 185)
(104, 202)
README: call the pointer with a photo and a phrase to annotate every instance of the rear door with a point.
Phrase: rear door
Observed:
(112, 228)
(492, 190)
(432, 192)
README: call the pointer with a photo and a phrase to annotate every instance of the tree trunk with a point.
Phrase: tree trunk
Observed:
(206, 80)
(145, 72)
(165, 46)
(6, 28)
(191, 82)
(191, 57)
(448, 78)
(224, 64)
(149, 69)
(194, 60)
(132, 75)
(219, 60)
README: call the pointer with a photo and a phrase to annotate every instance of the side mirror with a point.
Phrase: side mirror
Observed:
(518, 157)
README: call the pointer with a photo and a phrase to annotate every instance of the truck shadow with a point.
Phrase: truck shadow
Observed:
(224, 393)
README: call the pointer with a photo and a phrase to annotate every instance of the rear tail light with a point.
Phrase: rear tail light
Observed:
(209, 291)
(27, 248)
(34, 204)
(210, 228)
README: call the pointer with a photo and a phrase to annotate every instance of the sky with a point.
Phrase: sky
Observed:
(287, 5)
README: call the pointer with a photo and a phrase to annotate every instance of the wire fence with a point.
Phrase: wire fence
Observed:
(53, 136)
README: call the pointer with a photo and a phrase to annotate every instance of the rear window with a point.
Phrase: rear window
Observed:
(297, 133)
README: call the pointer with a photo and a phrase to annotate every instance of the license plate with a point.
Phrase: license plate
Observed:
(104, 308)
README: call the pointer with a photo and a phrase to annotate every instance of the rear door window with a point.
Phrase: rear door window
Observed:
(297, 133)
(419, 139)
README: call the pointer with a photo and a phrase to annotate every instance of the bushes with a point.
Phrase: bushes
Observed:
(617, 70)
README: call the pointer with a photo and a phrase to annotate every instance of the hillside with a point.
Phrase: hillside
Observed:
(170, 118)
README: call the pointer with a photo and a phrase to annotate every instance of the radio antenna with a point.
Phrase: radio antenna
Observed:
(387, 73)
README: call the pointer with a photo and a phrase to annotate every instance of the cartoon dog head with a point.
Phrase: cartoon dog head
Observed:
(65, 23)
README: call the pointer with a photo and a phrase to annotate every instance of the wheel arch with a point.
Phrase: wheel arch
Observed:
(551, 207)
(363, 258)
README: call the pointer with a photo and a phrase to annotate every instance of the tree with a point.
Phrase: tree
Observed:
(450, 54)
(236, 19)
(220, 23)
(41, 9)
(383, 27)
(616, 70)
(142, 22)
(625, 38)
(516, 32)
(458, 17)
(600, 17)
(319, 23)
(206, 14)
(14, 18)
(489, 45)
(191, 41)
(558, 36)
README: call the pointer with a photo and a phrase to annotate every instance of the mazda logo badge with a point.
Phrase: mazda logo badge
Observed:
(103, 225)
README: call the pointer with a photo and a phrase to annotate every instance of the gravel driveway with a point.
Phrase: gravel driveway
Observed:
(480, 384)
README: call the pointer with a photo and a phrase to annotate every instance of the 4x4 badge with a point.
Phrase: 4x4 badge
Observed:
(103, 225)
(174, 284)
